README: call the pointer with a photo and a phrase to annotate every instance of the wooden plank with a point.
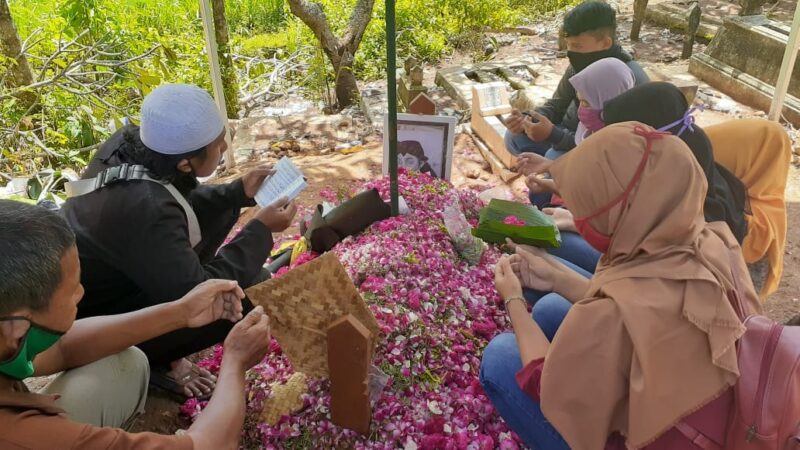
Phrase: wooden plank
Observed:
(497, 166)
(693, 23)
(349, 359)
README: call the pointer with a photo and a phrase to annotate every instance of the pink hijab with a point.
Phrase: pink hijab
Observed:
(599, 83)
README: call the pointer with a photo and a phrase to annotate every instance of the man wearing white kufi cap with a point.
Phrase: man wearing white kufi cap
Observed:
(143, 242)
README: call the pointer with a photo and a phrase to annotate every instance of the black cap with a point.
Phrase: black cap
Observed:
(589, 16)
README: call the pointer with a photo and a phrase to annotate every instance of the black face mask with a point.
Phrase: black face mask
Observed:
(580, 61)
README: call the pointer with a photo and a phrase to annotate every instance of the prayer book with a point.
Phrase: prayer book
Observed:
(287, 181)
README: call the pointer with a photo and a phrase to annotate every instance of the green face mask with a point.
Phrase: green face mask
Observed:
(35, 341)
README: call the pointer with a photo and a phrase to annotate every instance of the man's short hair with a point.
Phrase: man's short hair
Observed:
(594, 17)
(33, 241)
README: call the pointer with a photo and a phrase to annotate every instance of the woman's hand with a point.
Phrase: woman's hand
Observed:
(563, 218)
(536, 271)
(532, 163)
(255, 178)
(538, 185)
(505, 280)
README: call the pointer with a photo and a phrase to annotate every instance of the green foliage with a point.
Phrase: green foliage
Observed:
(256, 16)
(48, 134)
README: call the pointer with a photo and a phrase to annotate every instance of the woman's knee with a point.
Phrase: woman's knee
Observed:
(549, 312)
(500, 360)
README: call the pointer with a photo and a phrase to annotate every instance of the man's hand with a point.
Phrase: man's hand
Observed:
(515, 123)
(532, 163)
(253, 180)
(248, 341)
(539, 129)
(538, 185)
(563, 218)
(277, 216)
(210, 301)
(505, 280)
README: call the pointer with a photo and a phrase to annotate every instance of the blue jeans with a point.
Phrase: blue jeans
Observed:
(576, 250)
(521, 143)
(501, 361)
(543, 199)
(534, 296)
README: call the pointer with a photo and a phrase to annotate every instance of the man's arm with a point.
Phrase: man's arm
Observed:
(219, 426)
(562, 139)
(95, 338)
(555, 108)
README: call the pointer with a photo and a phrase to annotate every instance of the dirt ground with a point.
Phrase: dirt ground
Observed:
(325, 167)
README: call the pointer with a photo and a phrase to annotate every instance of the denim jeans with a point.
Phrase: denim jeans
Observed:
(501, 361)
(534, 296)
(521, 143)
(576, 250)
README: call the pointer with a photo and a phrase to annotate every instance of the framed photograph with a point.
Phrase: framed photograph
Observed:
(424, 144)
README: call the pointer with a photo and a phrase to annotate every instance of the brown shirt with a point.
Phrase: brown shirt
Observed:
(33, 421)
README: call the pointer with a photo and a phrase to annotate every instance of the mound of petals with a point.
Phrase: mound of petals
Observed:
(436, 314)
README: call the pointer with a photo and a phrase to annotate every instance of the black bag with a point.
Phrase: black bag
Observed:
(347, 219)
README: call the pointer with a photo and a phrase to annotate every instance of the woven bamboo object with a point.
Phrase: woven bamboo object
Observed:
(286, 399)
(303, 303)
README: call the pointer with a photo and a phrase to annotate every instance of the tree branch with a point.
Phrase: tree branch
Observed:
(314, 17)
(359, 19)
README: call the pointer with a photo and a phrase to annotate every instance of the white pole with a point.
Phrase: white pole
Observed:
(787, 67)
(216, 74)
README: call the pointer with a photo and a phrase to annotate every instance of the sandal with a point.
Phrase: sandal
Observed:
(188, 385)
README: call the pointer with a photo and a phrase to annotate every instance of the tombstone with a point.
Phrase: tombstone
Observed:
(751, 7)
(693, 23)
(349, 360)
(489, 104)
(410, 83)
(744, 60)
(639, 12)
(422, 104)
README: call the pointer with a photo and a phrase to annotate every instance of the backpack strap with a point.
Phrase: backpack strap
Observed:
(128, 172)
(697, 438)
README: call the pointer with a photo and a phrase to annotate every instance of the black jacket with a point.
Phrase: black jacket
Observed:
(133, 239)
(562, 108)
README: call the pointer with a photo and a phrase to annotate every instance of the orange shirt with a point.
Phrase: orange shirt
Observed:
(33, 421)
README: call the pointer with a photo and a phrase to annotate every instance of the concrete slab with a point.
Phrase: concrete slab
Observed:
(458, 81)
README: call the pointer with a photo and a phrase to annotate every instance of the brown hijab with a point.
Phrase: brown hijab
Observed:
(653, 340)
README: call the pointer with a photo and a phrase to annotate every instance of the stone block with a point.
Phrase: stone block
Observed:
(742, 87)
(754, 45)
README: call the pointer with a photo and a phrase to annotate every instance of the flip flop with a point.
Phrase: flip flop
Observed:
(177, 387)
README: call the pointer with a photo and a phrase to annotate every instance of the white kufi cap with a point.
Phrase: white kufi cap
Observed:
(178, 119)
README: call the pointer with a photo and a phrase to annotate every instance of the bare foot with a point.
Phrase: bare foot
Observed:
(186, 379)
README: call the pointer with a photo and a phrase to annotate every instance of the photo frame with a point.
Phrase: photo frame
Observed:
(424, 143)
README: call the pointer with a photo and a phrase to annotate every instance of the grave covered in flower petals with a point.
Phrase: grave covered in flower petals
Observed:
(436, 313)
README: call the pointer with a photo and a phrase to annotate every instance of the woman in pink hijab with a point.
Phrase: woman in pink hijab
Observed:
(595, 85)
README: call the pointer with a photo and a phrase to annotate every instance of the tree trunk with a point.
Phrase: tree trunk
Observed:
(346, 83)
(229, 82)
(11, 47)
(340, 51)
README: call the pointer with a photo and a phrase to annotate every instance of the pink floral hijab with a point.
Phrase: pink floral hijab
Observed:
(599, 83)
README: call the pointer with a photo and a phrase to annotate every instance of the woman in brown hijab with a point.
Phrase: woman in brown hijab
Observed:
(649, 340)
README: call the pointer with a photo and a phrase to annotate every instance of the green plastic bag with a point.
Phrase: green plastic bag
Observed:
(539, 230)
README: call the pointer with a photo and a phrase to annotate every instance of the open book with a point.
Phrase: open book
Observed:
(287, 181)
